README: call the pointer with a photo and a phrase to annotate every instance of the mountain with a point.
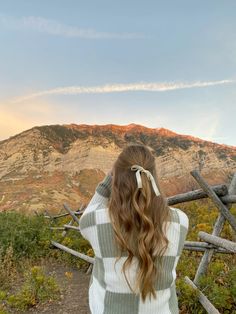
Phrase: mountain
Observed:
(45, 166)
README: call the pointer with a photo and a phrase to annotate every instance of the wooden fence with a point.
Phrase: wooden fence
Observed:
(221, 195)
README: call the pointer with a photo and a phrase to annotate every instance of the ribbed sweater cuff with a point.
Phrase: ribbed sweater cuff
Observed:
(104, 187)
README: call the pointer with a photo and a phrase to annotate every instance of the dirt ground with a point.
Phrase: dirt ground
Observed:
(74, 297)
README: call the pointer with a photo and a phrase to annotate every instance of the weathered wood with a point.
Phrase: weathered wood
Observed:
(198, 244)
(220, 190)
(89, 270)
(47, 217)
(73, 252)
(218, 241)
(203, 246)
(202, 249)
(228, 199)
(221, 219)
(202, 267)
(56, 228)
(232, 193)
(232, 187)
(77, 212)
(65, 229)
(219, 196)
(62, 215)
(223, 209)
(47, 214)
(71, 227)
(67, 208)
(208, 306)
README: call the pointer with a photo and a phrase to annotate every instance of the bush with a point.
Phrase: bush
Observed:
(219, 283)
(7, 269)
(28, 236)
(2, 310)
(188, 298)
(37, 288)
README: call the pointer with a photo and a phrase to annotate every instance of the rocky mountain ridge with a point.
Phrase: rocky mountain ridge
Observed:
(48, 163)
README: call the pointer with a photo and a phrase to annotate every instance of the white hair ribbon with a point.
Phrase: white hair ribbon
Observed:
(140, 169)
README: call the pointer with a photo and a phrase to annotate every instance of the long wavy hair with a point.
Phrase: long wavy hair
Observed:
(138, 218)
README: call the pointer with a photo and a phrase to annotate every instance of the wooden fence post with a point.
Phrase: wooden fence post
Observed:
(220, 195)
(208, 306)
(218, 241)
(216, 232)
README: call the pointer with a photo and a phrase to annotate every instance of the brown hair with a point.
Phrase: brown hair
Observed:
(138, 216)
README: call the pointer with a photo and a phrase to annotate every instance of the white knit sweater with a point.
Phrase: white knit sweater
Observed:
(108, 290)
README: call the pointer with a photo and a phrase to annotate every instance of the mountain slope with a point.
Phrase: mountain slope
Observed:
(47, 165)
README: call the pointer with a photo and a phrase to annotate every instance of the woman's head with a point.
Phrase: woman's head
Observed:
(138, 215)
(133, 155)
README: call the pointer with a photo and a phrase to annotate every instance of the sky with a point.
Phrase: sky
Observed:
(168, 64)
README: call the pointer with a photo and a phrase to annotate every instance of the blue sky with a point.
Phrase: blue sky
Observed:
(157, 63)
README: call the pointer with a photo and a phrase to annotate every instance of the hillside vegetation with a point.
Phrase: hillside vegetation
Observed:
(25, 242)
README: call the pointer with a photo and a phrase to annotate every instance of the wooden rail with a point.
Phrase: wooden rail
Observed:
(221, 195)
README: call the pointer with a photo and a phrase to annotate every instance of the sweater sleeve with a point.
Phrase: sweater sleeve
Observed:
(184, 227)
(102, 192)
(104, 187)
(100, 198)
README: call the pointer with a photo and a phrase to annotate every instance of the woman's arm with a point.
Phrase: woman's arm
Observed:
(101, 195)
(104, 187)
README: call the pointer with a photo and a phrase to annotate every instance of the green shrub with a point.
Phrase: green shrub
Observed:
(7, 268)
(74, 240)
(188, 298)
(29, 236)
(37, 288)
(2, 310)
(26, 238)
(219, 283)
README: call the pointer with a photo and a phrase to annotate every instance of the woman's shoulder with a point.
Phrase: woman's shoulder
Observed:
(179, 216)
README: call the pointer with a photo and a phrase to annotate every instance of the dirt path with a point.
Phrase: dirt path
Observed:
(74, 287)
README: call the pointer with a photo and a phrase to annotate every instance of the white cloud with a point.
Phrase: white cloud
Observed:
(56, 28)
(111, 88)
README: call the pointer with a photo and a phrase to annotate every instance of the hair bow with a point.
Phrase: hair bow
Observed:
(140, 169)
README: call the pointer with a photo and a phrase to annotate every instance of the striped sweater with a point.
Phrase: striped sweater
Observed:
(108, 291)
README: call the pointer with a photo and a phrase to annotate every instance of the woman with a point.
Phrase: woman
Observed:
(137, 239)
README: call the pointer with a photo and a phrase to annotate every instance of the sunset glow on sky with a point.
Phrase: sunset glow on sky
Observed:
(168, 64)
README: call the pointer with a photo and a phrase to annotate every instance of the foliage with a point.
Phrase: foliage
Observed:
(73, 240)
(7, 269)
(28, 236)
(219, 283)
(3, 310)
(188, 298)
(37, 288)
(59, 136)
(25, 238)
